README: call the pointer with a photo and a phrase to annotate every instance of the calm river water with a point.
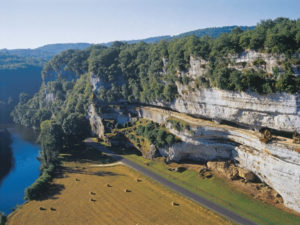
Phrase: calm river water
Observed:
(24, 170)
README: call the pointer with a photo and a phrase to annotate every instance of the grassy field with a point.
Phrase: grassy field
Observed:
(72, 202)
(222, 193)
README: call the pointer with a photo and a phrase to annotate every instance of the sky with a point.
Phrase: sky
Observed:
(33, 23)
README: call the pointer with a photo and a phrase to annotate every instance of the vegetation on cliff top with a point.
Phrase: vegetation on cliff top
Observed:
(147, 73)
(155, 134)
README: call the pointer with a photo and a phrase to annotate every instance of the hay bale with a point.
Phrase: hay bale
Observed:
(77, 179)
(92, 193)
(138, 180)
(127, 190)
(92, 200)
(174, 203)
(108, 185)
(42, 208)
(53, 209)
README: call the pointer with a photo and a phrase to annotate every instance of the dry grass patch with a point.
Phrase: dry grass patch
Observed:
(147, 202)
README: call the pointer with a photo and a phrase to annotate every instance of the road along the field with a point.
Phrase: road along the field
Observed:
(197, 198)
(113, 194)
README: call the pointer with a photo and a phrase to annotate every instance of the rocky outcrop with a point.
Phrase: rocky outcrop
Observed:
(257, 60)
(276, 111)
(49, 97)
(247, 175)
(280, 111)
(279, 168)
(53, 75)
(276, 163)
(95, 81)
(225, 168)
(198, 67)
(97, 127)
(152, 153)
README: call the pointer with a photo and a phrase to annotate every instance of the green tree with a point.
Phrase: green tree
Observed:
(75, 128)
(51, 138)
(288, 83)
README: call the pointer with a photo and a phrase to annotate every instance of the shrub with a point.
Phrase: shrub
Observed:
(155, 134)
(178, 125)
(170, 139)
(259, 62)
(202, 82)
(288, 83)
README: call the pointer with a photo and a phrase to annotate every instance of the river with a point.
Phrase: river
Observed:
(23, 171)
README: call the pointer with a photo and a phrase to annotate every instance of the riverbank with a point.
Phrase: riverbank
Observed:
(83, 193)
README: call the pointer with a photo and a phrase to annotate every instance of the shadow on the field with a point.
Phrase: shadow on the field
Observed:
(105, 173)
(82, 170)
(53, 192)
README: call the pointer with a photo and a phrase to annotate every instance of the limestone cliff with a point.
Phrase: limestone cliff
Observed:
(279, 111)
(276, 111)
(276, 163)
(97, 127)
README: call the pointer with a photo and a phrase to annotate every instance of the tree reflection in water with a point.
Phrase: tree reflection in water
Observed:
(6, 154)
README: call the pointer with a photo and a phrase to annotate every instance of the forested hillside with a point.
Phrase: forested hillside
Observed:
(212, 32)
(147, 73)
(17, 74)
(20, 72)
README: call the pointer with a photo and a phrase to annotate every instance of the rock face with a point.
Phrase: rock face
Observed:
(279, 168)
(250, 57)
(152, 153)
(53, 75)
(49, 97)
(225, 168)
(276, 163)
(198, 67)
(246, 174)
(280, 111)
(97, 127)
(276, 111)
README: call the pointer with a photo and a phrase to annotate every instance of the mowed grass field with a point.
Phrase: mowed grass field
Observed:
(222, 193)
(147, 202)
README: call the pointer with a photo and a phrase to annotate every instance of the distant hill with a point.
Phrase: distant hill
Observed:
(213, 32)
(45, 52)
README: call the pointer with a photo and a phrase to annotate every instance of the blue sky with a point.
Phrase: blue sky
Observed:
(32, 23)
